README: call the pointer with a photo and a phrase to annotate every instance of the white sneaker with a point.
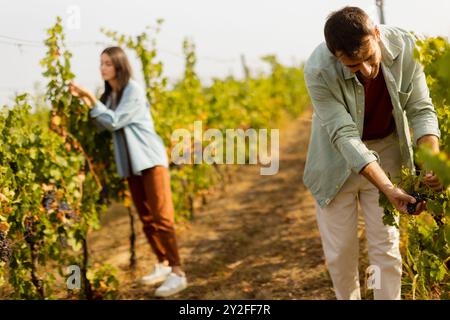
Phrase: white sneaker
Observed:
(159, 274)
(172, 285)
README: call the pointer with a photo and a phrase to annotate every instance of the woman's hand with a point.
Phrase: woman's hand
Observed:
(82, 93)
(77, 90)
(400, 199)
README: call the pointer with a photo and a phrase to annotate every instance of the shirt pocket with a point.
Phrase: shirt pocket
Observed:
(403, 96)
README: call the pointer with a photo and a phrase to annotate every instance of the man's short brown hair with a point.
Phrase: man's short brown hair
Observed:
(346, 28)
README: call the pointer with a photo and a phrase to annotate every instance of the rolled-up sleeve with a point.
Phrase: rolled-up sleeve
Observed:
(338, 123)
(133, 99)
(419, 108)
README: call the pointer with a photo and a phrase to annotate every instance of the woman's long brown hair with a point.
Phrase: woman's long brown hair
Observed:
(123, 72)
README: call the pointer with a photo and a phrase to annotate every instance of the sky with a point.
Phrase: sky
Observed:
(221, 30)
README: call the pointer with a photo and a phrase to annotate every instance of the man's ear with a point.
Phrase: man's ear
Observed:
(377, 32)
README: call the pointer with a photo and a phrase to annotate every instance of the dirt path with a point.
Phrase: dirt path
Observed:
(258, 240)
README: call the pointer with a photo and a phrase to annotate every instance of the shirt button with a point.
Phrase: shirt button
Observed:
(359, 111)
(337, 187)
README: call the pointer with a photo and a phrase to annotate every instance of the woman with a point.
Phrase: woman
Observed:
(141, 158)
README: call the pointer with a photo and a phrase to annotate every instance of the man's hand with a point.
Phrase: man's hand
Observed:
(398, 197)
(430, 179)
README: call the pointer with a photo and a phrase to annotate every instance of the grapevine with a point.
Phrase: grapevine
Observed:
(427, 251)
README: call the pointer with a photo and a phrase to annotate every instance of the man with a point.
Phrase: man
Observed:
(367, 92)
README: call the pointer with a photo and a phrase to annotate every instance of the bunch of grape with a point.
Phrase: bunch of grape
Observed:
(5, 248)
(411, 207)
(72, 215)
(438, 220)
(49, 200)
(64, 207)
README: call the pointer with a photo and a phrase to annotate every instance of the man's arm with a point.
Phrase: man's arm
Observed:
(430, 140)
(419, 107)
(399, 198)
(375, 174)
(334, 117)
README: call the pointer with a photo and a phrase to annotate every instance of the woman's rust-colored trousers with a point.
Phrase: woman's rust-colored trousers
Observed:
(152, 196)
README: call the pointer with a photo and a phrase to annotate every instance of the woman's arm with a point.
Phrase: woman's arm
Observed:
(132, 101)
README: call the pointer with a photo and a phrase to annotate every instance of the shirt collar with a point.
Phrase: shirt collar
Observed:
(389, 50)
